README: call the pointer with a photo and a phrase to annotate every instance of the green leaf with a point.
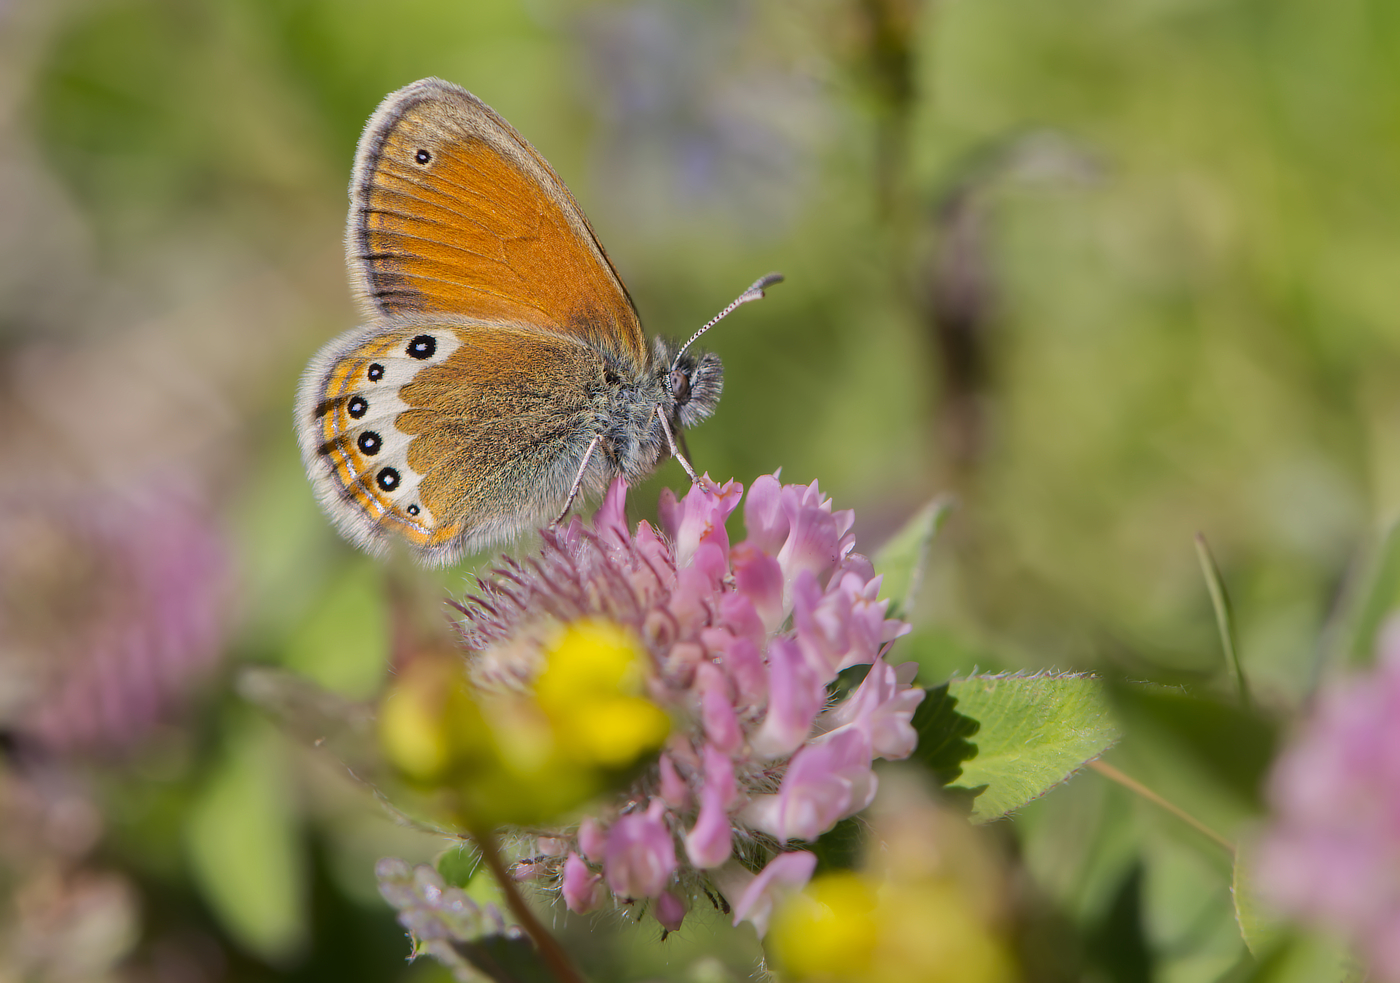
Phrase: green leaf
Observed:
(1304, 958)
(458, 864)
(903, 558)
(244, 847)
(1281, 955)
(1036, 731)
(841, 847)
(1371, 595)
(943, 735)
(1224, 613)
(1259, 928)
(343, 645)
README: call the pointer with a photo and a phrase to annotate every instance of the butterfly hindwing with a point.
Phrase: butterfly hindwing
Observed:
(453, 213)
(449, 435)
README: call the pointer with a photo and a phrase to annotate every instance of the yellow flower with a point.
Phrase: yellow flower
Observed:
(593, 691)
(848, 927)
(513, 756)
(827, 930)
(429, 725)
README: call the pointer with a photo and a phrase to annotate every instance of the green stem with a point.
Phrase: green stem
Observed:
(550, 950)
(1133, 785)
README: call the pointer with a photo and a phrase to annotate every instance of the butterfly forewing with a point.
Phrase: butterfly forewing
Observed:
(453, 213)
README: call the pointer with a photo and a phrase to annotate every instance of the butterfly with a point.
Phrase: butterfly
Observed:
(501, 371)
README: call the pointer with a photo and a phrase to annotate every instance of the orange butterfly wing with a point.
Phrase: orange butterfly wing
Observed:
(453, 214)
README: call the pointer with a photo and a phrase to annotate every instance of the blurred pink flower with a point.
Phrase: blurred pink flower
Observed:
(582, 889)
(757, 895)
(640, 856)
(110, 611)
(1332, 854)
(745, 642)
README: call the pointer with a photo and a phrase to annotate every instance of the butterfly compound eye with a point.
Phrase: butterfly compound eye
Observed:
(704, 383)
(680, 386)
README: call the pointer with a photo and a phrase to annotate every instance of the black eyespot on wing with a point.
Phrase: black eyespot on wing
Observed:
(387, 479)
(358, 407)
(412, 510)
(423, 157)
(369, 443)
(422, 346)
(376, 372)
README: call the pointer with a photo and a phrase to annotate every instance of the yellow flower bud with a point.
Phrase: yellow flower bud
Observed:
(593, 689)
(827, 930)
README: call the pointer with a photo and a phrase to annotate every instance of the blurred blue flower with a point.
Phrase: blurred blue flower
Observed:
(696, 119)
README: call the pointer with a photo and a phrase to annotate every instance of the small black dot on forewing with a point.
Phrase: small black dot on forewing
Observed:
(412, 510)
(375, 372)
(422, 156)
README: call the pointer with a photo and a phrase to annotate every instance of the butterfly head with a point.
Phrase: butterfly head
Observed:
(694, 382)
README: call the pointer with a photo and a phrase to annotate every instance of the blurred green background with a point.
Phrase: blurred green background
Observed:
(1114, 273)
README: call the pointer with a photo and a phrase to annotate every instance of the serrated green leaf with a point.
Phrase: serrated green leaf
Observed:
(943, 735)
(903, 558)
(1259, 928)
(1036, 731)
(1284, 956)
(1306, 958)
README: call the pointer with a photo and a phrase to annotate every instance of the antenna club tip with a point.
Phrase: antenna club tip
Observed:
(756, 290)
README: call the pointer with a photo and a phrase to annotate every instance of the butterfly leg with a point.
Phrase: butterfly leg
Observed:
(578, 481)
(675, 452)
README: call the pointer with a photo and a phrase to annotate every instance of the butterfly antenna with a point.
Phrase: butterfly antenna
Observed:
(755, 292)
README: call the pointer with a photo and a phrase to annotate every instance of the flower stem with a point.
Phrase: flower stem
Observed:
(550, 950)
(1133, 785)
